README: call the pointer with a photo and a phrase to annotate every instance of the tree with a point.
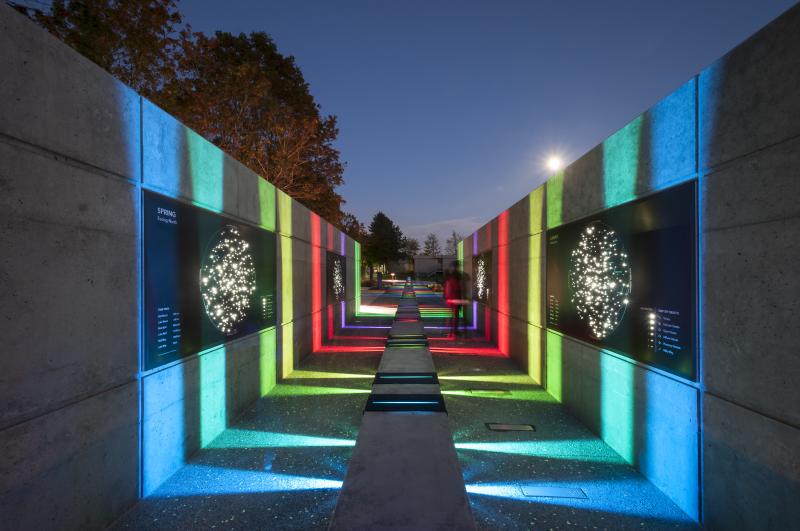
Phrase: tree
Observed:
(384, 241)
(352, 227)
(137, 41)
(244, 96)
(432, 246)
(452, 243)
(409, 247)
(238, 91)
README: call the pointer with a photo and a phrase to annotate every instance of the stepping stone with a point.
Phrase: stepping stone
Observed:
(406, 360)
(404, 474)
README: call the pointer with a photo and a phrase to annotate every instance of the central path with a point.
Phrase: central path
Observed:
(404, 472)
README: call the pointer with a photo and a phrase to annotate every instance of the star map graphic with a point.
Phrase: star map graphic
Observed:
(227, 280)
(600, 279)
(480, 279)
(338, 280)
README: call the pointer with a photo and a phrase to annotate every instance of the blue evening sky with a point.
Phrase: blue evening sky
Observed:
(447, 109)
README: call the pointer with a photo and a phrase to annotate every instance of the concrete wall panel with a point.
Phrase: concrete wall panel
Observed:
(73, 236)
(751, 469)
(751, 310)
(55, 98)
(74, 468)
(748, 99)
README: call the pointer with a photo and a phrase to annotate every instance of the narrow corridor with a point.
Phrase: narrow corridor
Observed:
(282, 464)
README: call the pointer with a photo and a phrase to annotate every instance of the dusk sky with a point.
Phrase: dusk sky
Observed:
(448, 109)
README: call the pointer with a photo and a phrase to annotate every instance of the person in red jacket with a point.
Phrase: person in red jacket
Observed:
(452, 296)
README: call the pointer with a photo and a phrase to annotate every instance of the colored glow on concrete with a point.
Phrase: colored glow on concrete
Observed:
(380, 311)
(206, 167)
(502, 283)
(573, 449)
(534, 332)
(216, 480)
(529, 395)
(316, 281)
(602, 496)
(470, 351)
(357, 276)
(239, 438)
(267, 351)
(212, 395)
(554, 190)
(329, 320)
(266, 204)
(616, 405)
(287, 283)
(516, 379)
(621, 163)
(313, 390)
(554, 364)
(331, 349)
(301, 374)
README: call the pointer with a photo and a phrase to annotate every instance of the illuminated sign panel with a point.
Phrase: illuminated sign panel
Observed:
(208, 279)
(482, 281)
(625, 279)
(336, 277)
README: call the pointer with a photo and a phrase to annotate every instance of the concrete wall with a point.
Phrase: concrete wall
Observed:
(726, 449)
(84, 430)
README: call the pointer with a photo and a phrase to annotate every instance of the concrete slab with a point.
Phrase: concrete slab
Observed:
(406, 360)
(404, 474)
(406, 329)
(406, 389)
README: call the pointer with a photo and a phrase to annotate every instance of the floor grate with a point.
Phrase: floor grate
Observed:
(553, 492)
(499, 426)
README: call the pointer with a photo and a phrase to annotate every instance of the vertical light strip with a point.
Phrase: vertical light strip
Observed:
(316, 281)
(554, 365)
(266, 360)
(206, 162)
(212, 395)
(616, 403)
(502, 283)
(621, 163)
(536, 205)
(268, 344)
(287, 284)
(357, 275)
(555, 192)
(620, 175)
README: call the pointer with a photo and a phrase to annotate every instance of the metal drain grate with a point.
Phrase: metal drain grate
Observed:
(499, 426)
(553, 492)
(489, 391)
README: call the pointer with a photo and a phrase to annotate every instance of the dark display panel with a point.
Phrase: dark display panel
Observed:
(625, 279)
(336, 277)
(208, 279)
(482, 277)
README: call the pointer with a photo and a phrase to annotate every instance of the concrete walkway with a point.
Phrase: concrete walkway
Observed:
(404, 473)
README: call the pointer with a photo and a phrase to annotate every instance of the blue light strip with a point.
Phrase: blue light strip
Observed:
(410, 376)
(405, 402)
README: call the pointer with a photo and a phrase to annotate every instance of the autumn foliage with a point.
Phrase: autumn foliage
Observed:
(238, 91)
